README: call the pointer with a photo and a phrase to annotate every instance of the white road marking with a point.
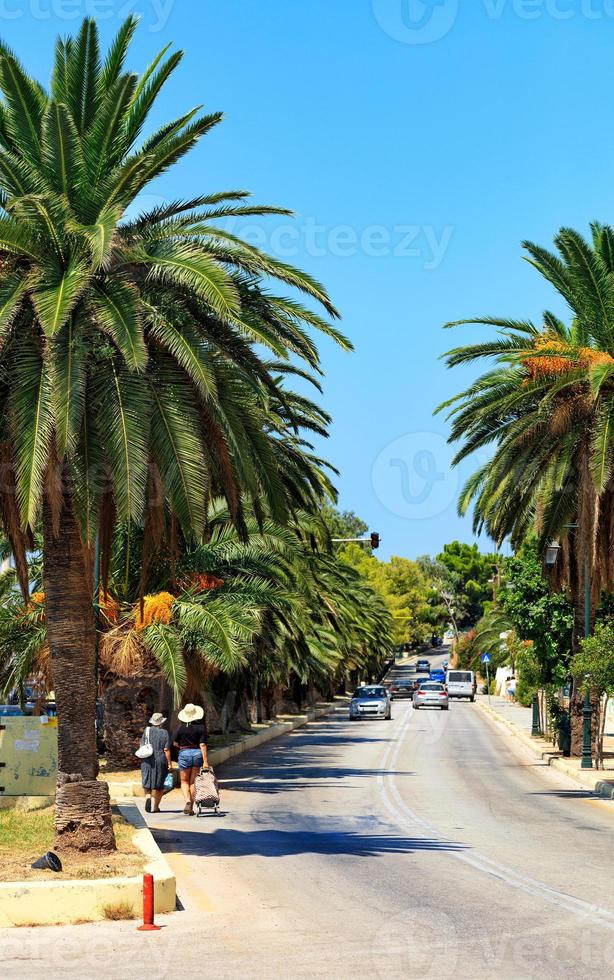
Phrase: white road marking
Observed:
(404, 817)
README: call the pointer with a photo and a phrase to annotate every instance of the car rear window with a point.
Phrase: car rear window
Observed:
(431, 687)
(460, 676)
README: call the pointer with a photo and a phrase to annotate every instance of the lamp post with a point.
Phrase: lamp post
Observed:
(535, 726)
(587, 722)
(551, 556)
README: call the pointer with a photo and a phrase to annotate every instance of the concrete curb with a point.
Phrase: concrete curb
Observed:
(589, 779)
(128, 789)
(45, 903)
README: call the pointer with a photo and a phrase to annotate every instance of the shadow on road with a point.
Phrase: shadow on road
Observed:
(566, 794)
(301, 760)
(301, 776)
(282, 843)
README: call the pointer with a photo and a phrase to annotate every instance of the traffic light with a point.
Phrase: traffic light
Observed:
(374, 540)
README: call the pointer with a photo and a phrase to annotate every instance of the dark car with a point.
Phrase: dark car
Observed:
(403, 689)
(423, 666)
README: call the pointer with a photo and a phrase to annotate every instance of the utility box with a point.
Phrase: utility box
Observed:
(28, 756)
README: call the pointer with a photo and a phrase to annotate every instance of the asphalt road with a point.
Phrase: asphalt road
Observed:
(419, 847)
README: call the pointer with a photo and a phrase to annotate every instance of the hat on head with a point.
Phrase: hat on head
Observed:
(157, 719)
(191, 712)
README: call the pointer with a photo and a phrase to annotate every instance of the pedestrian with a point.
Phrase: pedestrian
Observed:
(155, 767)
(190, 737)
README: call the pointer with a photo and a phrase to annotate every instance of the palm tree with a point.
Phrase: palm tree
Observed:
(547, 408)
(246, 617)
(131, 384)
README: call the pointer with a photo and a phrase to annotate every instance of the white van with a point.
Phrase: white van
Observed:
(461, 684)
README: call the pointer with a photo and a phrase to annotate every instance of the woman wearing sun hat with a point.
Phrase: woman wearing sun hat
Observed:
(190, 737)
(155, 766)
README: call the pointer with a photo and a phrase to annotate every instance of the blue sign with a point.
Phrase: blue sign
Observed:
(486, 658)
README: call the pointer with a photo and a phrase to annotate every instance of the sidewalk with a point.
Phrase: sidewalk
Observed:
(518, 719)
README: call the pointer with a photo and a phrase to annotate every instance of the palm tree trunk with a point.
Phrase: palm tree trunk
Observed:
(83, 810)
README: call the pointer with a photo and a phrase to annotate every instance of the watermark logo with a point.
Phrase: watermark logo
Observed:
(426, 245)
(412, 476)
(420, 942)
(416, 21)
(154, 14)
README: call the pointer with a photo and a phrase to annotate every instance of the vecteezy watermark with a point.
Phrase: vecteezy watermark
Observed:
(413, 478)
(416, 21)
(154, 14)
(427, 21)
(419, 942)
(424, 243)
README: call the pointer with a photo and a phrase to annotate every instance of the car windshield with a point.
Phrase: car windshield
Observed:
(370, 692)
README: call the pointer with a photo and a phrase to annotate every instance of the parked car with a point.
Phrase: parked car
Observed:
(10, 711)
(431, 695)
(370, 701)
(461, 684)
(423, 666)
(403, 689)
(41, 706)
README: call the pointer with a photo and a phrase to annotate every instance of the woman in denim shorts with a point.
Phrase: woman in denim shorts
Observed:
(190, 737)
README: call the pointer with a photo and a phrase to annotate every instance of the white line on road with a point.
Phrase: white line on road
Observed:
(404, 817)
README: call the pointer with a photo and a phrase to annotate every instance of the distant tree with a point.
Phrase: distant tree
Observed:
(474, 573)
(343, 523)
(538, 614)
(446, 599)
(404, 588)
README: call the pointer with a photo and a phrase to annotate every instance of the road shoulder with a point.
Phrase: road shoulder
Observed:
(592, 780)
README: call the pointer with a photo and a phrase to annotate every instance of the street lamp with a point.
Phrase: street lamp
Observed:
(587, 720)
(552, 553)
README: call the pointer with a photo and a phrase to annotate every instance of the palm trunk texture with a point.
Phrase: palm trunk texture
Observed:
(83, 810)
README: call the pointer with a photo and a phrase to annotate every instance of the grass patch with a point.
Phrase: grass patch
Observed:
(116, 913)
(25, 836)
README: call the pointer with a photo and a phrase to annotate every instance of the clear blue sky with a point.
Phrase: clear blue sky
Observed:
(415, 170)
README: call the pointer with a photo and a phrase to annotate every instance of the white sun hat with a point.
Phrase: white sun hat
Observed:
(191, 712)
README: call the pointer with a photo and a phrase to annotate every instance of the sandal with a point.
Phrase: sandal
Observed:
(148, 805)
(188, 810)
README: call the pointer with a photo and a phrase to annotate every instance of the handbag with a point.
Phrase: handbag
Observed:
(146, 750)
(168, 783)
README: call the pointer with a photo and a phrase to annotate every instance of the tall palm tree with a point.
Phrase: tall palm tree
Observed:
(131, 384)
(547, 407)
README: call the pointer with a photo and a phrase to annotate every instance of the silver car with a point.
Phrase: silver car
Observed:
(431, 694)
(371, 701)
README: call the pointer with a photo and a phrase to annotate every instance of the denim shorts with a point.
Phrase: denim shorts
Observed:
(190, 758)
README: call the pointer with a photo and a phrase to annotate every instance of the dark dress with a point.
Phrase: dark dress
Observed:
(154, 769)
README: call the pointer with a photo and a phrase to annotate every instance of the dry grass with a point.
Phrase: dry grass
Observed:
(116, 913)
(25, 836)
